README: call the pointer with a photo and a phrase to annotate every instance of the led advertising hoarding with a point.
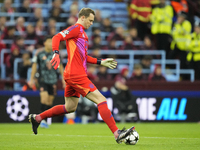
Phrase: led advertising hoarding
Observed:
(15, 107)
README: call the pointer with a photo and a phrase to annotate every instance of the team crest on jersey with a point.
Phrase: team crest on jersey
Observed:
(91, 85)
(83, 35)
(66, 32)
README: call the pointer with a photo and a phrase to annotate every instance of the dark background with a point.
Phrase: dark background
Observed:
(192, 107)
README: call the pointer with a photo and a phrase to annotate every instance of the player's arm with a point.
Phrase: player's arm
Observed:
(109, 62)
(66, 34)
(33, 72)
(61, 69)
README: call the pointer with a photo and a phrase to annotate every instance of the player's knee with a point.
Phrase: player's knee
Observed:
(102, 99)
(71, 109)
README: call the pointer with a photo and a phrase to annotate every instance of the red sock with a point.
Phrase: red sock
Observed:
(57, 110)
(107, 116)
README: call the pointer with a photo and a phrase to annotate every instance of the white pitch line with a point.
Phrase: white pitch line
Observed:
(171, 138)
(19, 134)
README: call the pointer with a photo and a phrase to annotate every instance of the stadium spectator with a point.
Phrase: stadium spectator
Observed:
(7, 7)
(193, 45)
(15, 53)
(9, 34)
(56, 5)
(146, 63)
(96, 43)
(103, 74)
(98, 18)
(96, 53)
(148, 44)
(52, 31)
(30, 32)
(57, 10)
(137, 74)
(70, 21)
(134, 34)
(112, 45)
(157, 74)
(193, 6)
(2, 24)
(91, 72)
(180, 33)
(161, 20)
(20, 26)
(128, 43)
(35, 2)
(19, 44)
(56, 15)
(140, 11)
(74, 11)
(2, 46)
(25, 8)
(118, 34)
(121, 95)
(96, 32)
(37, 16)
(106, 25)
(180, 5)
(24, 66)
(51, 24)
(121, 79)
(39, 28)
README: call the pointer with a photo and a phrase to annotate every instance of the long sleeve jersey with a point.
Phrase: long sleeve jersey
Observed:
(77, 47)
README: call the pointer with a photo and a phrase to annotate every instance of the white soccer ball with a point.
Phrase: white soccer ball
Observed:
(133, 138)
(17, 108)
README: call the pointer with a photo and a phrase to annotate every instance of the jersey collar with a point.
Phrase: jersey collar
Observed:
(81, 25)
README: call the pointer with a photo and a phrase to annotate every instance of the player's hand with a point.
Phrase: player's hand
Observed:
(109, 62)
(55, 61)
(31, 83)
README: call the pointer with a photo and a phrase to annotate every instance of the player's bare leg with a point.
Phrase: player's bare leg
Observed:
(50, 100)
(44, 97)
(106, 115)
(71, 104)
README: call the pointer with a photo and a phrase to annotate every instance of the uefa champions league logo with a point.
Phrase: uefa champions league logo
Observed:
(17, 108)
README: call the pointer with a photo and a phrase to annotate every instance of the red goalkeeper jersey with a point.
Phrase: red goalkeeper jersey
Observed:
(77, 47)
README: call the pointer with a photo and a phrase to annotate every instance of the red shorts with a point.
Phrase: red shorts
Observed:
(77, 86)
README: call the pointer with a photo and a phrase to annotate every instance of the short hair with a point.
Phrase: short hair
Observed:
(85, 12)
(47, 37)
(10, 28)
(147, 57)
(137, 66)
(19, 38)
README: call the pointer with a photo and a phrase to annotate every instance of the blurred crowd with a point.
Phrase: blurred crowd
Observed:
(173, 26)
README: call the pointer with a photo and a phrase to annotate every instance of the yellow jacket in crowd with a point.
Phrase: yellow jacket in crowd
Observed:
(161, 20)
(180, 35)
(193, 45)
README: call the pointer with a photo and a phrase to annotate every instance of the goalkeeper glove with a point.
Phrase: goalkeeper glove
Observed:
(55, 61)
(109, 62)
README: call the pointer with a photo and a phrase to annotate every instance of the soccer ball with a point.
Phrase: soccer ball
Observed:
(133, 138)
(17, 108)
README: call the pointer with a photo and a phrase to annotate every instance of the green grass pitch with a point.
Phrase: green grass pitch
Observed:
(153, 136)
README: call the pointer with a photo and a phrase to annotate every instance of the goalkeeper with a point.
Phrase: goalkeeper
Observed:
(75, 75)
